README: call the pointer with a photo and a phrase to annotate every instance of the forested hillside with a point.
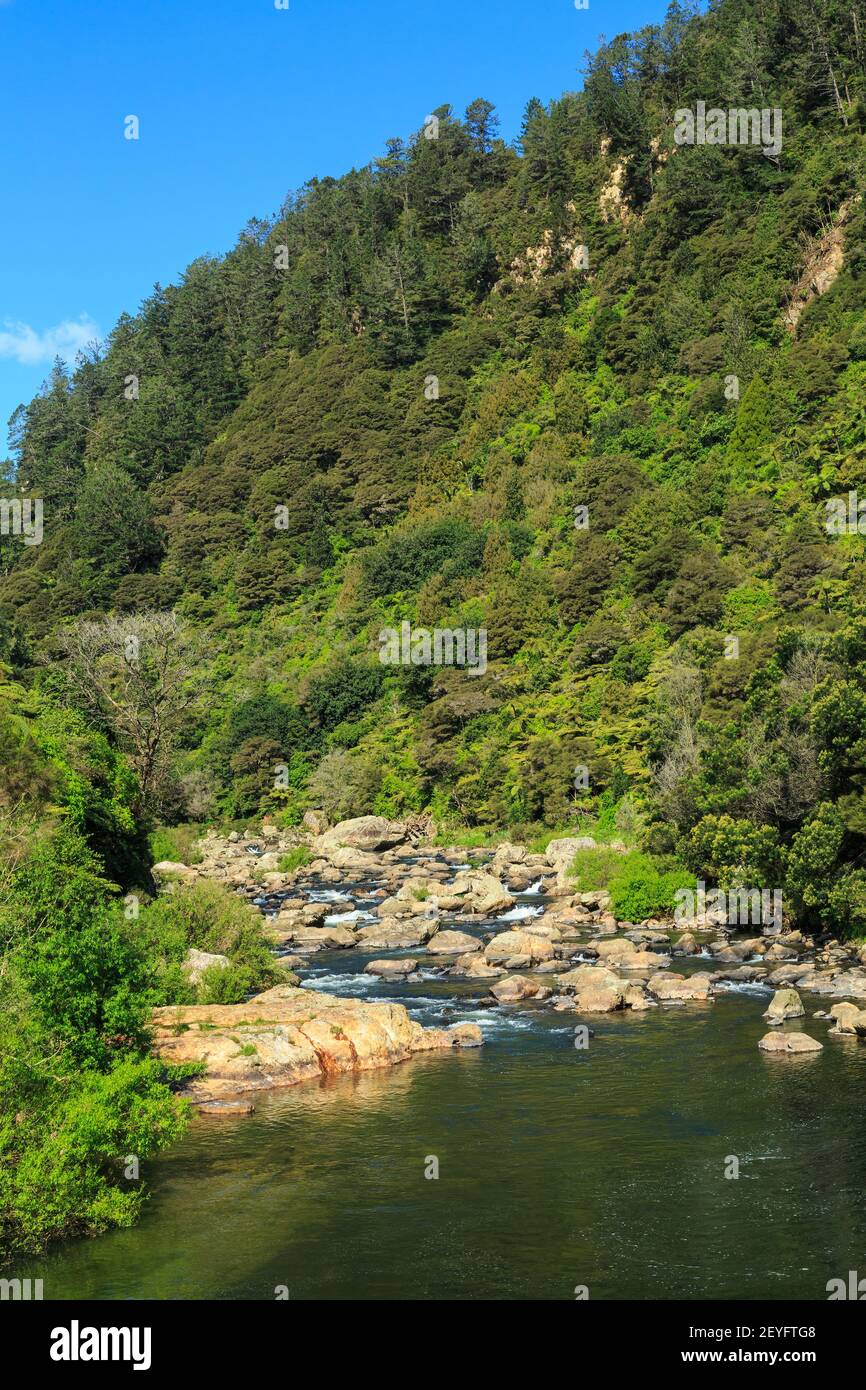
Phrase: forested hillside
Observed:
(591, 393)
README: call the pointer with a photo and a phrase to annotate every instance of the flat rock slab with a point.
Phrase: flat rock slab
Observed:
(789, 1042)
(288, 1035)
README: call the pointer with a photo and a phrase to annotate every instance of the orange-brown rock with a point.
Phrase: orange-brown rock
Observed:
(288, 1035)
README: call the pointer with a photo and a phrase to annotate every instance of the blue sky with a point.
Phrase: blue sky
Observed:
(238, 102)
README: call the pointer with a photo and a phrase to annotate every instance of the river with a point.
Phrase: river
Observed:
(560, 1169)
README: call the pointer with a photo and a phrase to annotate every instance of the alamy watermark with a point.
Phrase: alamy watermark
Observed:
(460, 646)
(734, 126)
(739, 907)
(22, 517)
(845, 516)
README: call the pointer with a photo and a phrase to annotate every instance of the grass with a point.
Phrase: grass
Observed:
(294, 859)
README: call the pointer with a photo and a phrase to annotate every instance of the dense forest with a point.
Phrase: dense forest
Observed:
(597, 393)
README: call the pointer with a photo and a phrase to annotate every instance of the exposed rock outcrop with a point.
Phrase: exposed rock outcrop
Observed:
(288, 1035)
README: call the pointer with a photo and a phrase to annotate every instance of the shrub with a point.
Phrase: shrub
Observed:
(210, 918)
(345, 785)
(733, 853)
(639, 887)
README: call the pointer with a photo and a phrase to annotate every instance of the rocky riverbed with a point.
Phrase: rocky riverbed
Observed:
(487, 931)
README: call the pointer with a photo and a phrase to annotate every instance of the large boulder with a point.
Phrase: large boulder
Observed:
(481, 892)
(681, 989)
(452, 943)
(596, 989)
(514, 988)
(518, 945)
(166, 871)
(391, 969)
(366, 833)
(473, 966)
(197, 962)
(310, 939)
(850, 1020)
(561, 852)
(786, 1003)
(391, 934)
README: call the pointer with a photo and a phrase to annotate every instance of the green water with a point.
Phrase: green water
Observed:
(557, 1168)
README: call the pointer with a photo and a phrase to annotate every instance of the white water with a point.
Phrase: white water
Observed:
(519, 914)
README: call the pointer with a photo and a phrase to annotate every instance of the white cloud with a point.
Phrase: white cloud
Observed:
(25, 345)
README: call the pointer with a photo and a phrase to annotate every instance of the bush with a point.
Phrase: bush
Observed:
(177, 843)
(638, 886)
(345, 785)
(226, 984)
(210, 918)
(734, 853)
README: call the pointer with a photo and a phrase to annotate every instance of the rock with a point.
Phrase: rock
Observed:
(779, 951)
(316, 822)
(509, 854)
(680, 989)
(518, 945)
(224, 1109)
(785, 1004)
(366, 833)
(393, 907)
(596, 989)
(391, 968)
(165, 871)
(598, 898)
(561, 852)
(516, 987)
(473, 966)
(355, 862)
(789, 1042)
(196, 962)
(452, 943)
(307, 939)
(686, 946)
(849, 1020)
(744, 974)
(288, 1035)
(785, 975)
(481, 892)
(392, 935)
(467, 1035)
(461, 1035)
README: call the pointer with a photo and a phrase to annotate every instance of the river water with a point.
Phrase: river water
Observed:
(559, 1169)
